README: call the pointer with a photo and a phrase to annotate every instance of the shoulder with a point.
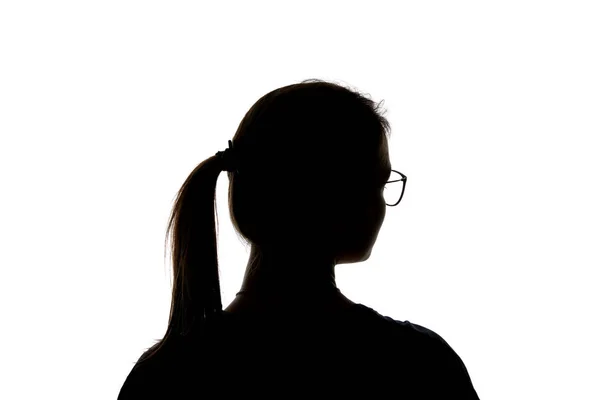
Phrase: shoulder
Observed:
(151, 376)
(423, 341)
(394, 329)
(423, 351)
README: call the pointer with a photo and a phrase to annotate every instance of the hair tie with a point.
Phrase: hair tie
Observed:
(228, 159)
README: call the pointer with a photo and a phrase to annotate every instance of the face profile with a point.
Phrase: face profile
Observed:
(365, 214)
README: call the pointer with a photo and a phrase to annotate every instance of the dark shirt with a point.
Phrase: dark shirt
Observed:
(357, 353)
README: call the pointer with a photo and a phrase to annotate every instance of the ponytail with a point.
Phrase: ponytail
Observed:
(196, 294)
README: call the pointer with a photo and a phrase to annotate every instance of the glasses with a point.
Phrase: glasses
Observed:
(394, 188)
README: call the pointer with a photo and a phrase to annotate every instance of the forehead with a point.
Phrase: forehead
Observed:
(384, 156)
(379, 167)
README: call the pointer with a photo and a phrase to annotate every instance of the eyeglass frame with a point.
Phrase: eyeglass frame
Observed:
(403, 179)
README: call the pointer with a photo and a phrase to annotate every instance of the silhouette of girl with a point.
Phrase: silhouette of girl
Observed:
(309, 172)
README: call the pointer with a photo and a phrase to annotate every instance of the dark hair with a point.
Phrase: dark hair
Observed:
(303, 143)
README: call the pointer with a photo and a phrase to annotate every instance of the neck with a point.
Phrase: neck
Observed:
(287, 277)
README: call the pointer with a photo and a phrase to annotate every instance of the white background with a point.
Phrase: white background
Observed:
(106, 107)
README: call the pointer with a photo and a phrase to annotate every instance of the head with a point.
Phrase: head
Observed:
(313, 162)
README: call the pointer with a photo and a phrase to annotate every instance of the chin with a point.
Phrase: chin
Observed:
(367, 255)
(356, 257)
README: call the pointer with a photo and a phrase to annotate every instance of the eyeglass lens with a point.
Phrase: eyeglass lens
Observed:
(393, 190)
